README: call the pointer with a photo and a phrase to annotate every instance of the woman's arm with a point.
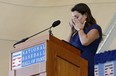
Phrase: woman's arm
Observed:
(88, 38)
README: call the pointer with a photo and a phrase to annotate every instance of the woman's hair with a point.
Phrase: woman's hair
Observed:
(84, 9)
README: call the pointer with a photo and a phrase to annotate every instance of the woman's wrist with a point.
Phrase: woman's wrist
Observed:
(79, 29)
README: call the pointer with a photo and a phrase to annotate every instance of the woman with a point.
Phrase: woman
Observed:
(85, 34)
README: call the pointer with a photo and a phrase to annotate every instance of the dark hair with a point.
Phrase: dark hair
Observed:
(84, 9)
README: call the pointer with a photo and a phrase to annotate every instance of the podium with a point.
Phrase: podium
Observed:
(47, 56)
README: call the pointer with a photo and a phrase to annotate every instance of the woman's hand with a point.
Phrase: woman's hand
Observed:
(71, 23)
(77, 24)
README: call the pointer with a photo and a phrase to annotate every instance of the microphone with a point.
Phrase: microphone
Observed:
(55, 23)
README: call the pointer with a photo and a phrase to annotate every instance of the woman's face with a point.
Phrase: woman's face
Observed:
(79, 16)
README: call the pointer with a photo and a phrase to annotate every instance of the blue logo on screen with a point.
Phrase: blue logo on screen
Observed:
(33, 55)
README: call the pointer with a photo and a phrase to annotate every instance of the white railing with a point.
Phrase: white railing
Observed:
(109, 31)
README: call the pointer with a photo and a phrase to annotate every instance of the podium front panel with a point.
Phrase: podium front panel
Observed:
(47, 56)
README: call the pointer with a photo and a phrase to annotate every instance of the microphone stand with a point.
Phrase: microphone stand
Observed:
(25, 39)
(41, 32)
(50, 32)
